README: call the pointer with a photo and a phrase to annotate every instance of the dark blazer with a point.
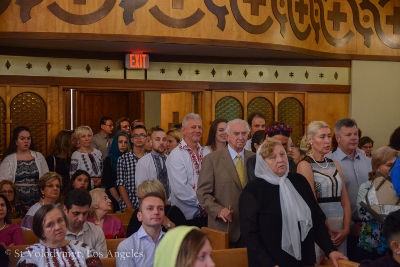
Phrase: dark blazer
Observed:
(261, 224)
(219, 187)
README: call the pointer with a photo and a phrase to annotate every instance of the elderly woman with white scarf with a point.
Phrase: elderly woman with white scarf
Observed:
(279, 217)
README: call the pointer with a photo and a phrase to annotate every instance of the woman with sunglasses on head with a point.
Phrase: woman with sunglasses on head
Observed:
(327, 182)
(23, 165)
(50, 186)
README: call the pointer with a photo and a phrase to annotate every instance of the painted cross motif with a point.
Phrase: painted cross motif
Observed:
(255, 5)
(336, 16)
(301, 8)
(394, 20)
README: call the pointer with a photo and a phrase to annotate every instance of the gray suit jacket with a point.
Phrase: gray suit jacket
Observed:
(219, 187)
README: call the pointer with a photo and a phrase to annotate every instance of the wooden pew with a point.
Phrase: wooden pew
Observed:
(342, 263)
(29, 237)
(16, 221)
(112, 245)
(108, 262)
(125, 225)
(230, 257)
(218, 239)
(124, 217)
(15, 254)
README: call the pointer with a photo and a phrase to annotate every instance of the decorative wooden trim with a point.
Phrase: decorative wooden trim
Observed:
(310, 88)
(108, 84)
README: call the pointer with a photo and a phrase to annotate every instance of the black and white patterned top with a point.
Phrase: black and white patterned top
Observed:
(27, 173)
(126, 169)
(90, 162)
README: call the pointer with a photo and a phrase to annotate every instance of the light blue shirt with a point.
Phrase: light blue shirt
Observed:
(355, 174)
(233, 154)
(138, 250)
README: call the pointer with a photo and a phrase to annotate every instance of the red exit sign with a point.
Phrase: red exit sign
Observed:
(136, 61)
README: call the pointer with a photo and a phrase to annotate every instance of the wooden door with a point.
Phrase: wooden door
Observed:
(90, 106)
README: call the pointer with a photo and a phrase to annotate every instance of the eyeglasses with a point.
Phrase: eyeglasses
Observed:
(7, 192)
(137, 136)
(53, 185)
(111, 126)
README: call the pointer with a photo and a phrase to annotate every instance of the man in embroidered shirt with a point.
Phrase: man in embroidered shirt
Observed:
(222, 179)
(152, 166)
(257, 123)
(126, 168)
(355, 167)
(102, 140)
(76, 208)
(183, 167)
(138, 250)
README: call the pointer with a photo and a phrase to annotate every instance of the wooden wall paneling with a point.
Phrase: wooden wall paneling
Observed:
(77, 98)
(43, 92)
(3, 95)
(207, 114)
(52, 114)
(136, 106)
(236, 94)
(269, 95)
(306, 108)
(8, 113)
(327, 107)
(276, 105)
(175, 102)
(64, 103)
(298, 96)
(245, 103)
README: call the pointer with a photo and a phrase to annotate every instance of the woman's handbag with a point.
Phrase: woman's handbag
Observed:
(387, 201)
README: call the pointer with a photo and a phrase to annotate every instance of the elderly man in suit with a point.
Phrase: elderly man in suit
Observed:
(222, 179)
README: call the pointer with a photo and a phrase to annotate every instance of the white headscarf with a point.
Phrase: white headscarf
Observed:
(295, 210)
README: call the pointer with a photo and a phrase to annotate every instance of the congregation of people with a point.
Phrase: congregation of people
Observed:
(289, 204)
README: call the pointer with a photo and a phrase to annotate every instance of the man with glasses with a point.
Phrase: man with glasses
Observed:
(126, 169)
(102, 140)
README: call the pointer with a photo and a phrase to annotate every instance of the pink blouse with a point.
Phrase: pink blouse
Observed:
(12, 235)
(112, 227)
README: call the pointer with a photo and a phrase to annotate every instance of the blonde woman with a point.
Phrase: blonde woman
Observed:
(174, 137)
(85, 157)
(327, 182)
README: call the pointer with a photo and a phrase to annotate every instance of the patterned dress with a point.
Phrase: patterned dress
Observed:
(371, 237)
(73, 254)
(27, 173)
(328, 188)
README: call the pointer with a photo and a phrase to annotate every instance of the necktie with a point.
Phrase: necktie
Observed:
(108, 142)
(240, 170)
